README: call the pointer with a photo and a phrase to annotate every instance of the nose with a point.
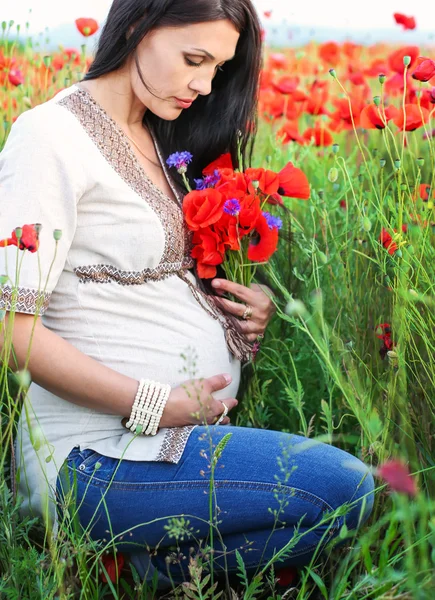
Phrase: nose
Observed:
(202, 86)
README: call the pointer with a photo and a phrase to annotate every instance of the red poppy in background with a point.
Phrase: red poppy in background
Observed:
(112, 566)
(16, 77)
(277, 60)
(289, 133)
(329, 52)
(29, 239)
(395, 60)
(424, 69)
(267, 14)
(425, 192)
(286, 84)
(320, 135)
(372, 116)
(412, 118)
(406, 22)
(87, 27)
(397, 475)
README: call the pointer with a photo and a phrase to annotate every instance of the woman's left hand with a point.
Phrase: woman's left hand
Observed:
(258, 297)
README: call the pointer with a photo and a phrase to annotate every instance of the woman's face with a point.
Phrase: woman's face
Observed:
(179, 63)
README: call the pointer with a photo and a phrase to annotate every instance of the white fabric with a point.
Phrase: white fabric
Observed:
(53, 173)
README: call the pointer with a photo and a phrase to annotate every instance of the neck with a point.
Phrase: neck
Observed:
(115, 94)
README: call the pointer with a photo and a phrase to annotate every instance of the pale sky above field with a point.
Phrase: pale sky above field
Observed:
(367, 14)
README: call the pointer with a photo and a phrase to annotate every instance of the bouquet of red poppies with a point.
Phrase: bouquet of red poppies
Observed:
(234, 215)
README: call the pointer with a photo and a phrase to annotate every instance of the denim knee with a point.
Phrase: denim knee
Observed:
(358, 491)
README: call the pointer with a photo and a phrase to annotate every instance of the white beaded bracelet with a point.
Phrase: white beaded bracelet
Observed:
(148, 407)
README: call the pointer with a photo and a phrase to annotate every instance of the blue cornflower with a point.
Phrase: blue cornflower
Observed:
(179, 160)
(232, 207)
(208, 181)
(272, 221)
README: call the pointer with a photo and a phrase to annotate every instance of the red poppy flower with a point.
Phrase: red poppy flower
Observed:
(398, 477)
(387, 242)
(112, 566)
(425, 69)
(265, 241)
(412, 118)
(202, 208)
(406, 22)
(16, 77)
(289, 133)
(87, 27)
(286, 576)
(29, 239)
(395, 59)
(277, 61)
(209, 251)
(223, 162)
(372, 116)
(267, 14)
(293, 183)
(286, 84)
(320, 135)
(425, 192)
(330, 53)
(268, 181)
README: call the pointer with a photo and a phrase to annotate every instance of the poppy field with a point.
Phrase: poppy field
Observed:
(349, 357)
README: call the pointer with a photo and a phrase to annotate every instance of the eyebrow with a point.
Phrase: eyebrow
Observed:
(211, 57)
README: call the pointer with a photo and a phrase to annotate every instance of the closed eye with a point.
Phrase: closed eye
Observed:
(191, 63)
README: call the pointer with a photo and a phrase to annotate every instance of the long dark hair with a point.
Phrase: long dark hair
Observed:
(214, 123)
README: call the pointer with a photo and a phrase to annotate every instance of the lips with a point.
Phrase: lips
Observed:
(184, 102)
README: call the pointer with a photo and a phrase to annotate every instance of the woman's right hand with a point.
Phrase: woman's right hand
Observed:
(192, 403)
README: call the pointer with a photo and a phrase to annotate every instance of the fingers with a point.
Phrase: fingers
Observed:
(240, 291)
(218, 408)
(218, 382)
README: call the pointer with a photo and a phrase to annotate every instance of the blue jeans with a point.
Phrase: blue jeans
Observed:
(266, 484)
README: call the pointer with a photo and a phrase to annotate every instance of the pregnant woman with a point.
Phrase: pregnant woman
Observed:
(134, 368)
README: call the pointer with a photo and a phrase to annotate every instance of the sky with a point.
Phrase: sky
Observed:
(369, 14)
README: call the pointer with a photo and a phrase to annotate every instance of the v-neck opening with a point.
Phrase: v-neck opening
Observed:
(132, 154)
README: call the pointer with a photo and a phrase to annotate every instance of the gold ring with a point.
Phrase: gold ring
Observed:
(248, 313)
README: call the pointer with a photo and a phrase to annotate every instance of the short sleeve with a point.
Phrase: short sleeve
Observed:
(40, 183)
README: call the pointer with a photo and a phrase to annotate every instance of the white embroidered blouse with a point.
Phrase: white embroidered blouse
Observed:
(118, 288)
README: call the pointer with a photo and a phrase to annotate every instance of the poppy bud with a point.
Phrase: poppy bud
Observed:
(367, 224)
(47, 60)
(24, 378)
(403, 187)
(398, 253)
(381, 78)
(3, 279)
(397, 163)
(377, 100)
(19, 232)
(295, 308)
(37, 227)
(374, 152)
(333, 73)
(27, 102)
(420, 162)
(320, 192)
(333, 175)
(336, 147)
(360, 177)
(57, 234)
(406, 60)
(4, 25)
(382, 162)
